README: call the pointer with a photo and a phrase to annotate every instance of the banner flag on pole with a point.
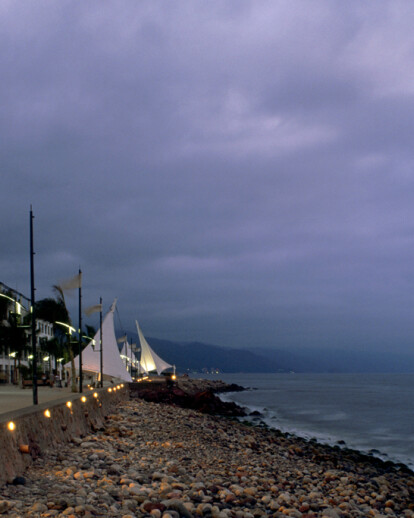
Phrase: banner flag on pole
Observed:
(93, 309)
(72, 284)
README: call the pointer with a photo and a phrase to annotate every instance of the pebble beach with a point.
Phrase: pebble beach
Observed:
(162, 461)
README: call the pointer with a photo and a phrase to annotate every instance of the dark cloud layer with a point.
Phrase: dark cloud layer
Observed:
(235, 172)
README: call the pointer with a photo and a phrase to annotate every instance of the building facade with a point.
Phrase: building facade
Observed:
(15, 312)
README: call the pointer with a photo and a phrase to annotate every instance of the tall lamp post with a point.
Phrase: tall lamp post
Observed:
(32, 304)
(80, 333)
(101, 343)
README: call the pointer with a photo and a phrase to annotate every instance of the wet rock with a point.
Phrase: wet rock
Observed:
(4, 506)
(178, 506)
(39, 508)
(150, 506)
(19, 481)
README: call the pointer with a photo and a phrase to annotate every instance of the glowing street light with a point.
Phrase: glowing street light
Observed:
(71, 329)
(89, 339)
(17, 304)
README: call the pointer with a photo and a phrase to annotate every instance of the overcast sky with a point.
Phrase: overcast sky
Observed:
(235, 172)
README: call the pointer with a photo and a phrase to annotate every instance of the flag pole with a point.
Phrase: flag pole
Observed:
(80, 332)
(32, 303)
(130, 352)
(100, 339)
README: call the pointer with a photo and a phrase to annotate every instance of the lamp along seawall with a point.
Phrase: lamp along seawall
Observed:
(158, 459)
(28, 433)
(35, 431)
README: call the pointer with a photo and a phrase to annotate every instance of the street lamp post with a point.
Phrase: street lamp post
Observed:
(101, 344)
(32, 304)
(80, 332)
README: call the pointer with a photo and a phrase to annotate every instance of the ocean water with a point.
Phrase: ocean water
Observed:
(373, 413)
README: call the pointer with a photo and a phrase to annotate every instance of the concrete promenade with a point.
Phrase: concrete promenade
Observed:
(12, 397)
(36, 432)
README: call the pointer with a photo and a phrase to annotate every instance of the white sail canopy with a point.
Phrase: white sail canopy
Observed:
(125, 352)
(112, 361)
(128, 355)
(149, 360)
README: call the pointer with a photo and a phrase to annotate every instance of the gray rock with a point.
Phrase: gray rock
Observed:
(4, 506)
(114, 469)
(39, 508)
(330, 513)
(19, 481)
(177, 505)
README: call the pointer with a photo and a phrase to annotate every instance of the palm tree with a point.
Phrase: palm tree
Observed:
(54, 310)
(90, 332)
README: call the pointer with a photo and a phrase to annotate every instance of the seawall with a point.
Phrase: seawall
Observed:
(35, 433)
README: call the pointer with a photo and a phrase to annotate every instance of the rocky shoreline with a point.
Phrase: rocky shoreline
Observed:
(189, 393)
(198, 394)
(164, 461)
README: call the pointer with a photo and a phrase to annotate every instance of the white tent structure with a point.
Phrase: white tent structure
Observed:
(149, 360)
(112, 362)
(128, 356)
(125, 353)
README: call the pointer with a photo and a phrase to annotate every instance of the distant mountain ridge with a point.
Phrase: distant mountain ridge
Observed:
(199, 357)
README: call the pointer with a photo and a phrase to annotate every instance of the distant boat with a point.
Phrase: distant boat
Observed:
(150, 361)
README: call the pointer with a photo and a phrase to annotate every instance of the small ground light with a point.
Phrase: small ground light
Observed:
(46, 413)
(83, 399)
(11, 426)
(109, 390)
(95, 394)
(69, 404)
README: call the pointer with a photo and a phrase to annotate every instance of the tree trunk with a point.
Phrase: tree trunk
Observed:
(72, 365)
(19, 376)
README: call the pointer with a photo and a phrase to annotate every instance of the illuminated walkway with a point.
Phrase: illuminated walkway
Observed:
(13, 397)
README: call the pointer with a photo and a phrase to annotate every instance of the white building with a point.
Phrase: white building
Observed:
(19, 306)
